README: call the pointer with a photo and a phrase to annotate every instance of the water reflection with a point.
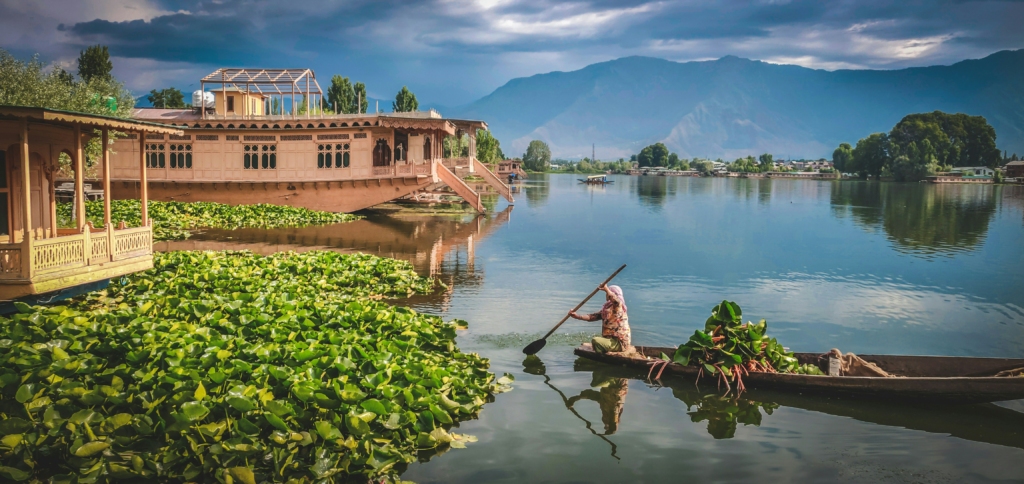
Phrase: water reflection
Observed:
(653, 191)
(921, 219)
(537, 189)
(442, 246)
(611, 402)
(985, 423)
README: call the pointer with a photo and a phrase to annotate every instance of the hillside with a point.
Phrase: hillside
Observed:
(733, 107)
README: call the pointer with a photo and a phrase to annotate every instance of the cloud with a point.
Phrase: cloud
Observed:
(453, 51)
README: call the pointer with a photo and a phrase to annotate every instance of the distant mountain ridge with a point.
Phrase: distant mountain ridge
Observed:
(734, 107)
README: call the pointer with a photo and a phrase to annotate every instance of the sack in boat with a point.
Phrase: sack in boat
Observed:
(853, 365)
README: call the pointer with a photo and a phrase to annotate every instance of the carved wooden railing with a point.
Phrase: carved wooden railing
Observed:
(58, 253)
(451, 163)
(10, 262)
(132, 242)
(383, 170)
(99, 252)
(403, 169)
(423, 168)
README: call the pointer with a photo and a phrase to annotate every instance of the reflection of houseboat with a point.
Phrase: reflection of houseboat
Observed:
(596, 180)
(38, 260)
(251, 140)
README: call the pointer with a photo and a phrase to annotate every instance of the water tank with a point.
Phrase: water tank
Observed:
(202, 98)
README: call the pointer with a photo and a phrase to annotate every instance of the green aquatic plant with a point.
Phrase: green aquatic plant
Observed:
(728, 348)
(174, 220)
(234, 367)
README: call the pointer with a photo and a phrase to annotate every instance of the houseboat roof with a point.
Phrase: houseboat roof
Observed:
(189, 118)
(71, 117)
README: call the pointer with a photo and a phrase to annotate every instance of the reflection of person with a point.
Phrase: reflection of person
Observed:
(511, 178)
(611, 398)
(615, 327)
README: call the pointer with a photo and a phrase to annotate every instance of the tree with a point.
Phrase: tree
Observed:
(341, 97)
(703, 166)
(537, 156)
(653, 155)
(94, 63)
(958, 139)
(405, 101)
(842, 158)
(166, 98)
(487, 147)
(767, 162)
(673, 160)
(871, 155)
(360, 102)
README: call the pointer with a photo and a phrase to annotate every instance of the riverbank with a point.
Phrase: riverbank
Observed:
(231, 364)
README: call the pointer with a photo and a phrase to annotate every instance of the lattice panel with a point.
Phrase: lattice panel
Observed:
(382, 170)
(100, 252)
(10, 261)
(58, 253)
(423, 169)
(129, 242)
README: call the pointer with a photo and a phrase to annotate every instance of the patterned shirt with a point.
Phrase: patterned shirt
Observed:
(615, 322)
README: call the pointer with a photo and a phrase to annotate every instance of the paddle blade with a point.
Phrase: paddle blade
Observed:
(533, 348)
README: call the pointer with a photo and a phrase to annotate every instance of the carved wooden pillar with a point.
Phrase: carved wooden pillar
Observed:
(143, 180)
(26, 205)
(108, 223)
(79, 180)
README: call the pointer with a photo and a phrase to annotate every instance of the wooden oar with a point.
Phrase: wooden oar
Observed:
(533, 348)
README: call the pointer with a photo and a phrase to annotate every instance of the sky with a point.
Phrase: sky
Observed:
(452, 52)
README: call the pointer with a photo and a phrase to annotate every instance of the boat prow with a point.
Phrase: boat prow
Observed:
(947, 379)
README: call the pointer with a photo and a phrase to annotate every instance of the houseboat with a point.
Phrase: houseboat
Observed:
(251, 140)
(40, 261)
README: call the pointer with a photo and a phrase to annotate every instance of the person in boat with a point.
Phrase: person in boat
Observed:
(615, 336)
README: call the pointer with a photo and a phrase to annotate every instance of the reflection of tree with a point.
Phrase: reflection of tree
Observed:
(537, 189)
(764, 191)
(654, 190)
(722, 412)
(927, 219)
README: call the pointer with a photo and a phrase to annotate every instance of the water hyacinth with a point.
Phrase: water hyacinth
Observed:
(233, 367)
(173, 220)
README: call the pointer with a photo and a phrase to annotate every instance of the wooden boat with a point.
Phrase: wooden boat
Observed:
(596, 180)
(946, 379)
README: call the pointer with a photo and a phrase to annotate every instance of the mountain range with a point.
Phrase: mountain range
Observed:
(733, 107)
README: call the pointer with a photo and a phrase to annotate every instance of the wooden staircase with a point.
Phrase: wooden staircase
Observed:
(460, 187)
(492, 180)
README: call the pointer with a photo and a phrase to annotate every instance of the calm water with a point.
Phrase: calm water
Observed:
(864, 267)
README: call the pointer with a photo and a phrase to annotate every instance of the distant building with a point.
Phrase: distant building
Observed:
(974, 171)
(1014, 169)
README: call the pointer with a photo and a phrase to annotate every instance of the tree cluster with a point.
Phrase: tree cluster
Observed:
(586, 165)
(921, 145)
(405, 101)
(537, 156)
(344, 97)
(488, 148)
(167, 98)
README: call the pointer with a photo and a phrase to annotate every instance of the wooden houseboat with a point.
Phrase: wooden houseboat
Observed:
(251, 141)
(36, 256)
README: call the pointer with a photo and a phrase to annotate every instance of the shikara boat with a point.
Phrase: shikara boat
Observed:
(945, 379)
(596, 180)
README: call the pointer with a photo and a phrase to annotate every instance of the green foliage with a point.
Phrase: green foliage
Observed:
(653, 155)
(537, 156)
(808, 369)
(767, 162)
(341, 96)
(842, 158)
(166, 98)
(405, 101)
(173, 220)
(871, 155)
(957, 139)
(361, 102)
(705, 167)
(727, 348)
(455, 146)
(488, 147)
(29, 84)
(745, 165)
(234, 367)
(94, 63)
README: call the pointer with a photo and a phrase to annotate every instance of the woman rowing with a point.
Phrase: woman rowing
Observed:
(615, 322)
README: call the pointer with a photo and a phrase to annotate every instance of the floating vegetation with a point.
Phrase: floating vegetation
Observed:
(518, 340)
(727, 348)
(234, 367)
(174, 220)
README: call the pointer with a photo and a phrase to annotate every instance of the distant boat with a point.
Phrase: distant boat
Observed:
(596, 180)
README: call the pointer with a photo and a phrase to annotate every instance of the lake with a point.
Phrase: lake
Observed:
(865, 267)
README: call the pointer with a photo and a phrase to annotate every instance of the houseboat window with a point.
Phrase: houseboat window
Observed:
(426, 148)
(381, 152)
(250, 158)
(155, 156)
(401, 145)
(273, 157)
(231, 104)
(181, 156)
(329, 155)
(254, 160)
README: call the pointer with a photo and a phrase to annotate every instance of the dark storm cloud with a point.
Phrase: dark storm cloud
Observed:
(455, 50)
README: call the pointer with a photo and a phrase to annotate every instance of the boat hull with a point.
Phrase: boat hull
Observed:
(967, 380)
